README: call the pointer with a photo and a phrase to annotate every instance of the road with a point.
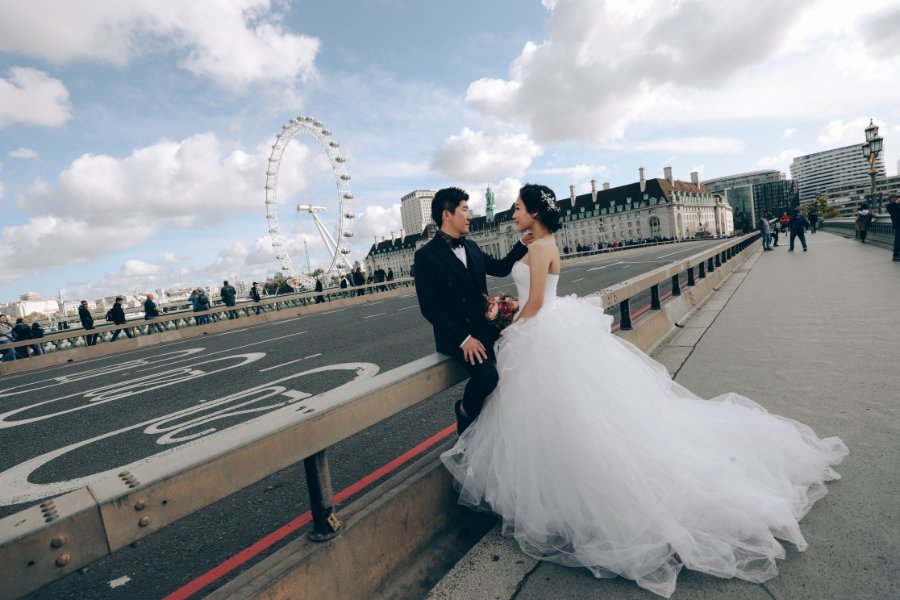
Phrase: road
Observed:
(63, 427)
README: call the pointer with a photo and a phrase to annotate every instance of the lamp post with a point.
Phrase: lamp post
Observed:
(872, 148)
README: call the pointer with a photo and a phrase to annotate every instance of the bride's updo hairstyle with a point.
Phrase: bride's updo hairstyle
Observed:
(540, 200)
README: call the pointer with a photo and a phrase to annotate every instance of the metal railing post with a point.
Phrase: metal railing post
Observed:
(321, 498)
(676, 285)
(691, 276)
(625, 314)
(701, 269)
(654, 297)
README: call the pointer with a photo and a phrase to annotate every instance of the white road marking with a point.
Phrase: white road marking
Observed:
(120, 581)
(266, 341)
(408, 307)
(312, 356)
(233, 331)
(290, 362)
(331, 312)
(375, 315)
(579, 279)
(605, 266)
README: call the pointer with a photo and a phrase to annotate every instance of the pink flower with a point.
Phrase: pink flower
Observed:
(492, 312)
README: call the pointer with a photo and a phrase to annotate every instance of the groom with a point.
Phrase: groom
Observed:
(451, 287)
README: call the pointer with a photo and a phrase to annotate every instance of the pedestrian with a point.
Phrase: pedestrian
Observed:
(229, 298)
(87, 321)
(775, 234)
(798, 228)
(813, 221)
(5, 338)
(151, 312)
(764, 231)
(864, 218)
(359, 280)
(893, 209)
(344, 285)
(319, 288)
(117, 315)
(390, 277)
(21, 332)
(785, 219)
(37, 332)
(254, 295)
(202, 306)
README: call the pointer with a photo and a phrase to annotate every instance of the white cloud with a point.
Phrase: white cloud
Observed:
(170, 258)
(375, 221)
(103, 204)
(139, 268)
(789, 132)
(23, 153)
(780, 161)
(476, 156)
(32, 97)
(605, 66)
(698, 145)
(233, 43)
(838, 133)
(579, 172)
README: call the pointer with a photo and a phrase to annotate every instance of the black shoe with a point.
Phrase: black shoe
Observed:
(804, 249)
(462, 421)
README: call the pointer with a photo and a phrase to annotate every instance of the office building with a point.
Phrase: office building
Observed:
(415, 210)
(815, 173)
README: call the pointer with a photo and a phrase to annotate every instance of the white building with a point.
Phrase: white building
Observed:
(648, 209)
(816, 173)
(415, 210)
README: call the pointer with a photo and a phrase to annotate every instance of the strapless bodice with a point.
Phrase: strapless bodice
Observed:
(521, 274)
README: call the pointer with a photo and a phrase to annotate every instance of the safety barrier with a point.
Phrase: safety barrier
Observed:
(67, 345)
(880, 230)
(63, 534)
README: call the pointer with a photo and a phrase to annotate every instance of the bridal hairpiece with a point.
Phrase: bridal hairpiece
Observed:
(549, 200)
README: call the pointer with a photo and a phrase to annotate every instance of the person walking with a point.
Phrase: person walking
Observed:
(151, 312)
(117, 315)
(87, 321)
(797, 225)
(864, 218)
(229, 298)
(320, 299)
(813, 221)
(893, 209)
(785, 219)
(254, 295)
(764, 231)
(775, 227)
(359, 280)
(344, 286)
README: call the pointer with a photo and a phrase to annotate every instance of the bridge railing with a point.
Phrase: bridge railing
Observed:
(68, 339)
(881, 228)
(44, 542)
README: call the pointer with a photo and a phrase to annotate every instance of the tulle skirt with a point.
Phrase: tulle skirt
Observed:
(592, 456)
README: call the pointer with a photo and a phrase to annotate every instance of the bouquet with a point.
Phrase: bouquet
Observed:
(501, 310)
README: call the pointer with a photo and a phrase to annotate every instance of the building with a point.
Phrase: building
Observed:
(648, 209)
(847, 197)
(815, 173)
(754, 194)
(415, 210)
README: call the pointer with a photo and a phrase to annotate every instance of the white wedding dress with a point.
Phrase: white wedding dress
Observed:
(592, 456)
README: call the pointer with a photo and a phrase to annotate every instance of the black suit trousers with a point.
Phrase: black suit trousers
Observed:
(483, 379)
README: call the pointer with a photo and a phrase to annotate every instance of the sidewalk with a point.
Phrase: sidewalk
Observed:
(810, 336)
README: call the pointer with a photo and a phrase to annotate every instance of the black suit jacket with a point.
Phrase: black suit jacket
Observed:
(452, 299)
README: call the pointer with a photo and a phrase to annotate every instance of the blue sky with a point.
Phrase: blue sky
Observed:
(134, 135)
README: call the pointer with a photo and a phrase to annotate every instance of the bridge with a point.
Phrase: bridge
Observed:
(175, 468)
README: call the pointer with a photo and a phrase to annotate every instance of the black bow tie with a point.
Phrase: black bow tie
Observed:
(455, 242)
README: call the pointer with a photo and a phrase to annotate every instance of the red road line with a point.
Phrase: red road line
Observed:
(285, 530)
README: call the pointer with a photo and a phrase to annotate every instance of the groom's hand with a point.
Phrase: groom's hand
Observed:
(474, 350)
(528, 237)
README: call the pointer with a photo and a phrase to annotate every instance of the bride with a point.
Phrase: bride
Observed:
(592, 456)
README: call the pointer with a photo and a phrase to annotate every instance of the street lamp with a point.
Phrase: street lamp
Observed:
(872, 148)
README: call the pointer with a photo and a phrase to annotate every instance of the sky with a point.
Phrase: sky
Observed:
(135, 135)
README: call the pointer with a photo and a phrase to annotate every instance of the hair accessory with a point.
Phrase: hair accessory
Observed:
(549, 200)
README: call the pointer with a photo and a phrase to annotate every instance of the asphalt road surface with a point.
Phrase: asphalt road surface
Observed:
(63, 427)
